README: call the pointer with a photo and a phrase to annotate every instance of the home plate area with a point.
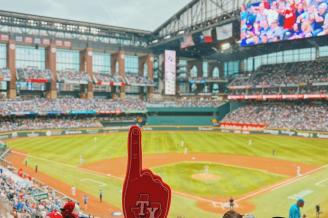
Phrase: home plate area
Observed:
(224, 205)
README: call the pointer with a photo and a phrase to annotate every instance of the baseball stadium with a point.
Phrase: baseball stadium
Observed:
(229, 96)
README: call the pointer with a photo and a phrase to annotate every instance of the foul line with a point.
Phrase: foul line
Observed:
(321, 182)
(101, 184)
(253, 194)
(282, 184)
(91, 172)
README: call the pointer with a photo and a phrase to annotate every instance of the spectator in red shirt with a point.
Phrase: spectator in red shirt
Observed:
(290, 18)
(54, 214)
(70, 210)
(266, 4)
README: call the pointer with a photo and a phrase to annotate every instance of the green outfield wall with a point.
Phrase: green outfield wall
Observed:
(186, 116)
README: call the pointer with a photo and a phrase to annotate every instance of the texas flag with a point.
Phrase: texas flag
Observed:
(207, 36)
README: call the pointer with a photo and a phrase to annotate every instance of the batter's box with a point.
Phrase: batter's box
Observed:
(226, 205)
(301, 194)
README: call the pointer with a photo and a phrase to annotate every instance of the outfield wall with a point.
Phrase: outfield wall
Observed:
(48, 133)
(186, 116)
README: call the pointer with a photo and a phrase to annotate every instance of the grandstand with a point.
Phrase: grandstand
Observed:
(233, 73)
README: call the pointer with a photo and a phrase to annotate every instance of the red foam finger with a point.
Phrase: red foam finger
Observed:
(134, 153)
(144, 194)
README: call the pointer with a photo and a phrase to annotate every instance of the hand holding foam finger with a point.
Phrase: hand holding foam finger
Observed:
(145, 195)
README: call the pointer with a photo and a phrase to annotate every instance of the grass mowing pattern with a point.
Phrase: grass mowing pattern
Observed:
(233, 181)
(67, 150)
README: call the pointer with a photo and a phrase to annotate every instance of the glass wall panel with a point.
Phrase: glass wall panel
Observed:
(101, 62)
(131, 64)
(68, 60)
(27, 56)
(3, 56)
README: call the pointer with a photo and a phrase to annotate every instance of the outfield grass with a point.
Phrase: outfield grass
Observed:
(61, 158)
(284, 197)
(68, 149)
(113, 189)
(232, 181)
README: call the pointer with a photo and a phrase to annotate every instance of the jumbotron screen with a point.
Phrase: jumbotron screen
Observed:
(278, 20)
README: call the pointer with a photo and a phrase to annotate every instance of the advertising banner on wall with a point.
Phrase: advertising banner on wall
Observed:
(170, 70)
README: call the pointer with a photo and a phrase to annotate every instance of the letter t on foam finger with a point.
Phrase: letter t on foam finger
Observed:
(144, 194)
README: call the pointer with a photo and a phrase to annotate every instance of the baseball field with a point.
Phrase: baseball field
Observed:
(265, 174)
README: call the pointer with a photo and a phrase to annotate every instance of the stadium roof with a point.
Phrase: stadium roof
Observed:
(67, 22)
(142, 14)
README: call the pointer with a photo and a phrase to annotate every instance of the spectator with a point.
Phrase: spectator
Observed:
(85, 201)
(232, 214)
(5, 74)
(100, 195)
(295, 209)
(54, 214)
(70, 210)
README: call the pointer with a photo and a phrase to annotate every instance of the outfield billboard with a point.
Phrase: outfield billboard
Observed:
(269, 21)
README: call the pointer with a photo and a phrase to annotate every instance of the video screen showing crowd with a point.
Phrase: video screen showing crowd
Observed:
(278, 20)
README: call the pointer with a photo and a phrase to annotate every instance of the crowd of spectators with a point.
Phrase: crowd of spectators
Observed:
(292, 73)
(108, 79)
(283, 115)
(5, 74)
(119, 79)
(70, 105)
(184, 103)
(103, 78)
(20, 196)
(137, 80)
(214, 79)
(32, 73)
(205, 79)
(275, 20)
(73, 77)
(300, 74)
(41, 106)
(7, 124)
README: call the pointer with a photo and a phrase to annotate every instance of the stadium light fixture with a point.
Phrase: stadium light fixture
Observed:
(225, 46)
(181, 32)
(167, 37)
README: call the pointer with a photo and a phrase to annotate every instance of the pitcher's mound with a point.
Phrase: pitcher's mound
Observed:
(203, 177)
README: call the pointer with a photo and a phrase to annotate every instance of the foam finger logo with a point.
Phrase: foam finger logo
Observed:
(145, 195)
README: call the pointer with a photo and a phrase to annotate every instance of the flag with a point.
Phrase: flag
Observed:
(207, 36)
(224, 32)
(198, 38)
